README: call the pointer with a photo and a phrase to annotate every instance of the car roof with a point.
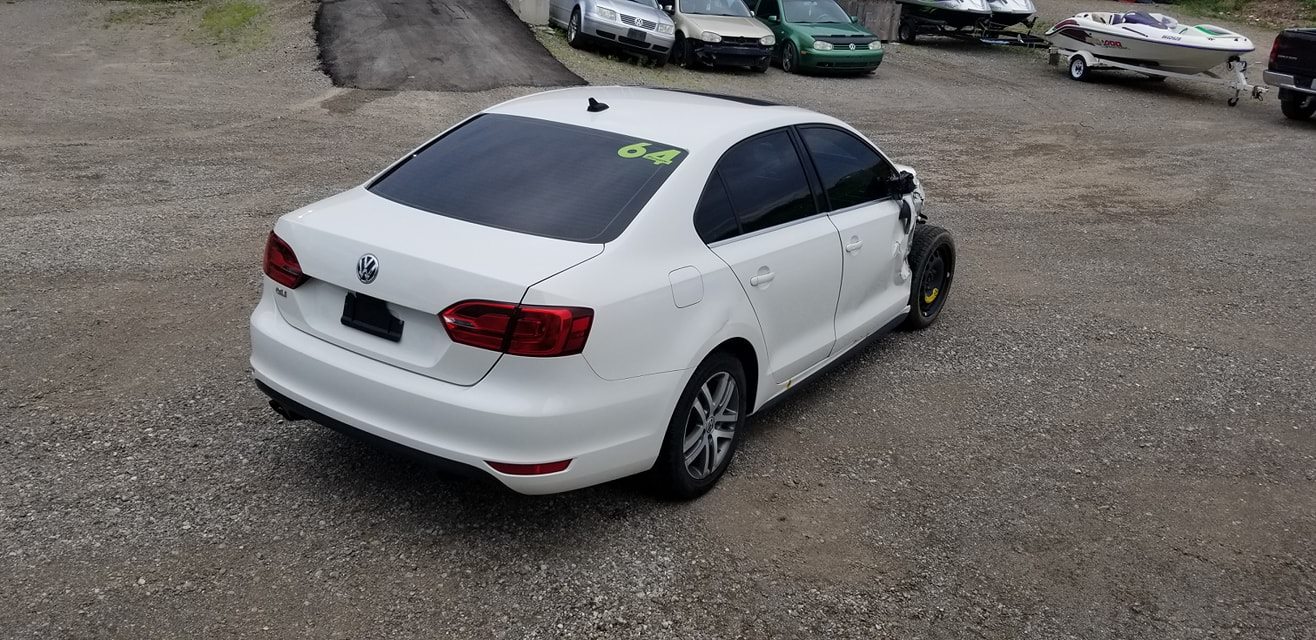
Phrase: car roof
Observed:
(691, 120)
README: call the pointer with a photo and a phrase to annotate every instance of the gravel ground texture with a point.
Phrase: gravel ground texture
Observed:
(1108, 435)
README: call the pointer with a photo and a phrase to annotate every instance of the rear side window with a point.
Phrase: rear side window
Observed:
(851, 172)
(766, 182)
(714, 218)
(533, 176)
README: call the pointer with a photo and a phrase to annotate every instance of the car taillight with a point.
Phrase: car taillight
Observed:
(519, 330)
(281, 263)
(1274, 50)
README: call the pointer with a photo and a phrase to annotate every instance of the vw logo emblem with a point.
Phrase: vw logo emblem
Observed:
(367, 268)
(852, 46)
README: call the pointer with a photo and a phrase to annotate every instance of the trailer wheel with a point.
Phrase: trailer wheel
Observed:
(1078, 68)
(906, 33)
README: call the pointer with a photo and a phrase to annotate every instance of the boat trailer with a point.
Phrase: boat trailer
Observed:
(911, 27)
(1081, 63)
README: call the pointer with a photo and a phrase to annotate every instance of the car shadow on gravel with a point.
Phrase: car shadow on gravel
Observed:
(361, 474)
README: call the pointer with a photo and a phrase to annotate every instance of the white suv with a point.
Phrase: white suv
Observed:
(584, 284)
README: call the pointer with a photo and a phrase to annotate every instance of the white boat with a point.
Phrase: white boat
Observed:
(1007, 13)
(956, 14)
(1150, 40)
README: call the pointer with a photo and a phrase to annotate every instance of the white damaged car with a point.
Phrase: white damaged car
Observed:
(584, 284)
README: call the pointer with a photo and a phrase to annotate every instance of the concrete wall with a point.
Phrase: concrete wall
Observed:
(530, 11)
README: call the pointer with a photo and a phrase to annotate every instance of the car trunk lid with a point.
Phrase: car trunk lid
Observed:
(423, 263)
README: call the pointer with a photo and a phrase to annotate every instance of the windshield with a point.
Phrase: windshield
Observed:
(533, 176)
(652, 4)
(715, 8)
(813, 11)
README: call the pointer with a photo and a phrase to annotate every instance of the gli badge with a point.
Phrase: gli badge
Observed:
(367, 268)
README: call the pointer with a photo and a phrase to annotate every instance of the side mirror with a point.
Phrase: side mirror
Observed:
(854, 19)
(774, 19)
(903, 184)
(668, 8)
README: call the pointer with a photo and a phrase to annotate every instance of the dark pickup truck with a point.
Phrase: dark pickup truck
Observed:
(1292, 68)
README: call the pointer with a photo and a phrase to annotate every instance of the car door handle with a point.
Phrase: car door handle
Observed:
(762, 278)
(854, 246)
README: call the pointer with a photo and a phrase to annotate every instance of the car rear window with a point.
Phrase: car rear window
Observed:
(533, 176)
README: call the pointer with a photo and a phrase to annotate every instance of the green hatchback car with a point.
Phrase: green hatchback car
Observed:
(817, 35)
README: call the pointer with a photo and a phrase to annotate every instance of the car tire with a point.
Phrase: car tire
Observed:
(1079, 69)
(790, 58)
(906, 33)
(682, 55)
(574, 37)
(693, 457)
(932, 259)
(1296, 106)
(761, 67)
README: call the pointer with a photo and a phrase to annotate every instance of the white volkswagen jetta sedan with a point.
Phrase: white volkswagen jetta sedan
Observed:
(584, 284)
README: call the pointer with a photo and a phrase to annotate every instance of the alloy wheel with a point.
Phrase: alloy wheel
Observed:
(573, 28)
(711, 425)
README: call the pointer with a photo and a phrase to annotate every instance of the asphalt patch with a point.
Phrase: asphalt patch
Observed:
(432, 45)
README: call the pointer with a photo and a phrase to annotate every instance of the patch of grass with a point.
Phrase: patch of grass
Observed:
(1273, 13)
(237, 23)
(1220, 8)
(145, 12)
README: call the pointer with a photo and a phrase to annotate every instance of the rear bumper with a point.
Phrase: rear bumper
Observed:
(526, 410)
(841, 59)
(722, 54)
(1288, 81)
(653, 42)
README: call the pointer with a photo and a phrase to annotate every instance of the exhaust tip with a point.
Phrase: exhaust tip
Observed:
(285, 412)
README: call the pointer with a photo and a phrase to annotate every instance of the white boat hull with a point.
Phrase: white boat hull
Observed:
(1007, 13)
(953, 13)
(1147, 46)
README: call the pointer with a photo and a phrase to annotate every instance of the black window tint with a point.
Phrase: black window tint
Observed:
(766, 9)
(766, 182)
(714, 219)
(533, 176)
(852, 173)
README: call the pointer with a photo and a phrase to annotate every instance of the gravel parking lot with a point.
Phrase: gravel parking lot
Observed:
(1109, 434)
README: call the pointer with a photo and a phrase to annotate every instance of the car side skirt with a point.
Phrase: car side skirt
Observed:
(831, 363)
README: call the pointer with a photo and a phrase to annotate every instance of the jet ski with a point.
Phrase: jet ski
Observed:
(1007, 13)
(1152, 40)
(957, 14)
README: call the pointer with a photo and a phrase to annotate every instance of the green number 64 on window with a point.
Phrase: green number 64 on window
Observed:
(641, 150)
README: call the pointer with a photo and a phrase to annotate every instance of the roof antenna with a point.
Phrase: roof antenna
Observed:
(595, 106)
